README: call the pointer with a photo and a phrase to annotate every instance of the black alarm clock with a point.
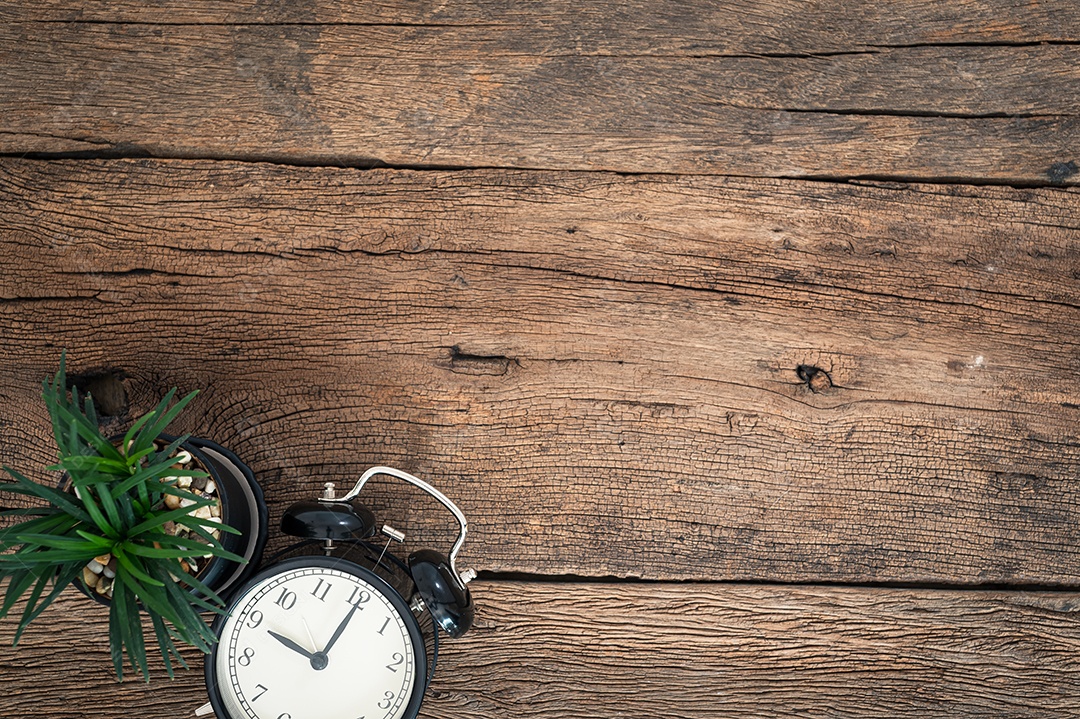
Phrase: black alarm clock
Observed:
(338, 634)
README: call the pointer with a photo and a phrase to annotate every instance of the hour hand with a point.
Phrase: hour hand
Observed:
(290, 644)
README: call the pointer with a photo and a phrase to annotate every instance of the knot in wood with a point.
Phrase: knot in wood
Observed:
(817, 379)
(106, 388)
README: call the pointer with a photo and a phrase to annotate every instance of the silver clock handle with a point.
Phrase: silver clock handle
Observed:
(417, 482)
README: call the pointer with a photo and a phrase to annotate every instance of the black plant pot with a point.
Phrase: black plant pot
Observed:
(242, 507)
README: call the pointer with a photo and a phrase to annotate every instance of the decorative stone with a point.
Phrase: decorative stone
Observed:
(199, 483)
(184, 502)
(183, 457)
(210, 487)
(95, 566)
(110, 568)
(172, 501)
(182, 482)
(203, 513)
(104, 586)
(90, 579)
(103, 559)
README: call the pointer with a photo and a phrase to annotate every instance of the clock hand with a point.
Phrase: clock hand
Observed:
(290, 644)
(340, 629)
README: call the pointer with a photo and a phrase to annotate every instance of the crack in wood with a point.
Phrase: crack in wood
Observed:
(365, 163)
(468, 363)
(859, 112)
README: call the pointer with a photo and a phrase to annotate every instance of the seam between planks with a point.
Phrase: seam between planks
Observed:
(127, 151)
(508, 577)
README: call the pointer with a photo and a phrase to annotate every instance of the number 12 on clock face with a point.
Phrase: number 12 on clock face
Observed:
(317, 638)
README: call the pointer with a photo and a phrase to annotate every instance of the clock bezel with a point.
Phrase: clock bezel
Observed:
(305, 562)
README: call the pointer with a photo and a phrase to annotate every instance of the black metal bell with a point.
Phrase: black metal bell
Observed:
(449, 602)
(328, 520)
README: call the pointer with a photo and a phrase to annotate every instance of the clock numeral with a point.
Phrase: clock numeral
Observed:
(321, 589)
(245, 658)
(388, 699)
(384, 626)
(358, 597)
(254, 619)
(285, 716)
(264, 690)
(287, 600)
(398, 659)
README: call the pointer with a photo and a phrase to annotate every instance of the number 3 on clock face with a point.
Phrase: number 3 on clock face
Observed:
(317, 638)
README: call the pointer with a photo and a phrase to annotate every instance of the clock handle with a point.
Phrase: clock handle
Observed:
(417, 482)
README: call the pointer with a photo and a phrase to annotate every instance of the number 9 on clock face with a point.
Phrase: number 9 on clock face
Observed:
(317, 638)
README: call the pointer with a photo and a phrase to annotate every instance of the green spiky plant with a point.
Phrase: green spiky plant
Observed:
(114, 503)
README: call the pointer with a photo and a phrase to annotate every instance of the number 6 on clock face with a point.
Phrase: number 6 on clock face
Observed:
(317, 638)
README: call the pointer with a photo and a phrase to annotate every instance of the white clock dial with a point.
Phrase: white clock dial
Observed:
(318, 638)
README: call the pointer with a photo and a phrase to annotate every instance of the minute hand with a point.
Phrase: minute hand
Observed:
(339, 630)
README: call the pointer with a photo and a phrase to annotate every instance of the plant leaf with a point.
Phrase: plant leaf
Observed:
(59, 499)
(51, 524)
(155, 598)
(121, 553)
(173, 515)
(156, 471)
(108, 504)
(41, 557)
(29, 512)
(127, 615)
(62, 577)
(161, 416)
(156, 553)
(132, 431)
(193, 629)
(57, 542)
(82, 462)
(191, 522)
(103, 542)
(165, 642)
(98, 516)
(116, 642)
(20, 580)
(196, 584)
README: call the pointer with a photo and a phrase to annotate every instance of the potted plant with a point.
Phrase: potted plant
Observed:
(144, 522)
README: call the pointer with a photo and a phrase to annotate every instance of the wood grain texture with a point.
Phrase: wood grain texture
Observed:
(601, 26)
(663, 377)
(602, 650)
(460, 94)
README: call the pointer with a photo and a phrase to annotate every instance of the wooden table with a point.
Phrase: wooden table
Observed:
(745, 334)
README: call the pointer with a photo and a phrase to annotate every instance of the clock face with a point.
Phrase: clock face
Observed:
(317, 638)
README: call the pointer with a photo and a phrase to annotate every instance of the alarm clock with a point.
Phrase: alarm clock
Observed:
(340, 630)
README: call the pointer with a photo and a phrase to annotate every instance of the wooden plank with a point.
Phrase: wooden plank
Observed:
(662, 26)
(483, 96)
(602, 650)
(630, 376)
